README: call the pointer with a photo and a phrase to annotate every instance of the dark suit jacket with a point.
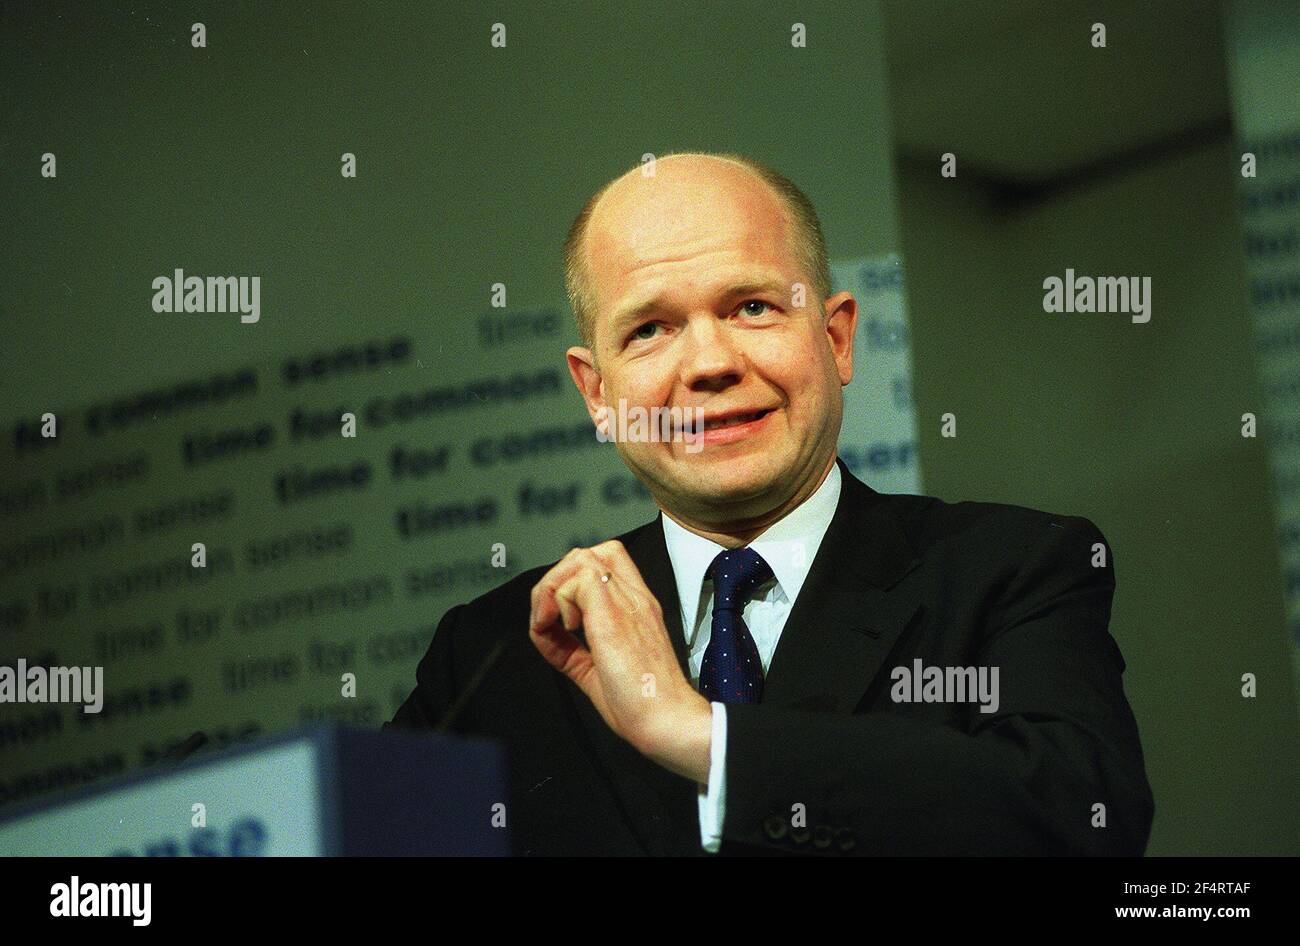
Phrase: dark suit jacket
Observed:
(897, 577)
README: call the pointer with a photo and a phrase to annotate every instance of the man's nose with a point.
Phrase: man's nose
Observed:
(710, 356)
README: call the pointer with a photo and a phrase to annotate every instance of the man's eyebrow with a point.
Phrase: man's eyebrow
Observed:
(634, 312)
(759, 286)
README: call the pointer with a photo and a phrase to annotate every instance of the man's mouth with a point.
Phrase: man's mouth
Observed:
(720, 421)
(734, 420)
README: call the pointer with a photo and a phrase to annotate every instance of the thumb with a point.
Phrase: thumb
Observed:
(563, 651)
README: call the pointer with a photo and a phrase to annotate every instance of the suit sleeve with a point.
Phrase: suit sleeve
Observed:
(435, 681)
(1024, 780)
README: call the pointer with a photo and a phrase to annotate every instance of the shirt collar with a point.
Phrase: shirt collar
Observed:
(789, 546)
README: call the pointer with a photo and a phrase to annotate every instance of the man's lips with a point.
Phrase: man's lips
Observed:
(721, 420)
(734, 418)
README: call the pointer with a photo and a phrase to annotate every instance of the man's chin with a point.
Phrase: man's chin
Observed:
(720, 481)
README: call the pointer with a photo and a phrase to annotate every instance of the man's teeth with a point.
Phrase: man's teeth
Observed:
(731, 422)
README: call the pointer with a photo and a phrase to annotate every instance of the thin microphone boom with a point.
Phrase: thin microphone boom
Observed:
(470, 688)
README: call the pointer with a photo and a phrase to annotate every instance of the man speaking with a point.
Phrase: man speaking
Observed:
(785, 660)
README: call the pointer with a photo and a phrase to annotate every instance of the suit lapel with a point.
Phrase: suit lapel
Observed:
(850, 611)
(647, 548)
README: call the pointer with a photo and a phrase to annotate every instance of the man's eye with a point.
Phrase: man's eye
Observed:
(750, 302)
(637, 333)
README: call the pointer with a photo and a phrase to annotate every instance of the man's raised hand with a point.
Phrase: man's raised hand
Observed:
(627, 668)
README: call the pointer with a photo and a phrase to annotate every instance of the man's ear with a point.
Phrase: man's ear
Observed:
(582, 366)
(841, 324)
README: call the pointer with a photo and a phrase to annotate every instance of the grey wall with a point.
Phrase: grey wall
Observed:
(1137, 426)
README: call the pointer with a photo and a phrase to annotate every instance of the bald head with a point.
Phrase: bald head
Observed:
(642, 216)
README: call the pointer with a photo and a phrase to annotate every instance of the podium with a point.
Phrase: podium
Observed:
(320, 791)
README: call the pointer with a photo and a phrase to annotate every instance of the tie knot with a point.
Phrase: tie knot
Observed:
(736, 573)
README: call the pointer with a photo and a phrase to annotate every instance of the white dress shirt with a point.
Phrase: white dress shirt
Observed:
(789, 547)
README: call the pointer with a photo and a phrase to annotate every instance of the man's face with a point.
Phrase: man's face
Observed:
(693, 275)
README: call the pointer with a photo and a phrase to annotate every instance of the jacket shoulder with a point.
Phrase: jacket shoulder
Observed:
(993, 531)
(934, 515)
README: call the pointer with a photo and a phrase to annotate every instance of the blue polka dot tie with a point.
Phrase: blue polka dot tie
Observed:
(732, 671)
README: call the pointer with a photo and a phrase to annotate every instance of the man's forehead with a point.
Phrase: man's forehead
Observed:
(716, 213)
(682, 191)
